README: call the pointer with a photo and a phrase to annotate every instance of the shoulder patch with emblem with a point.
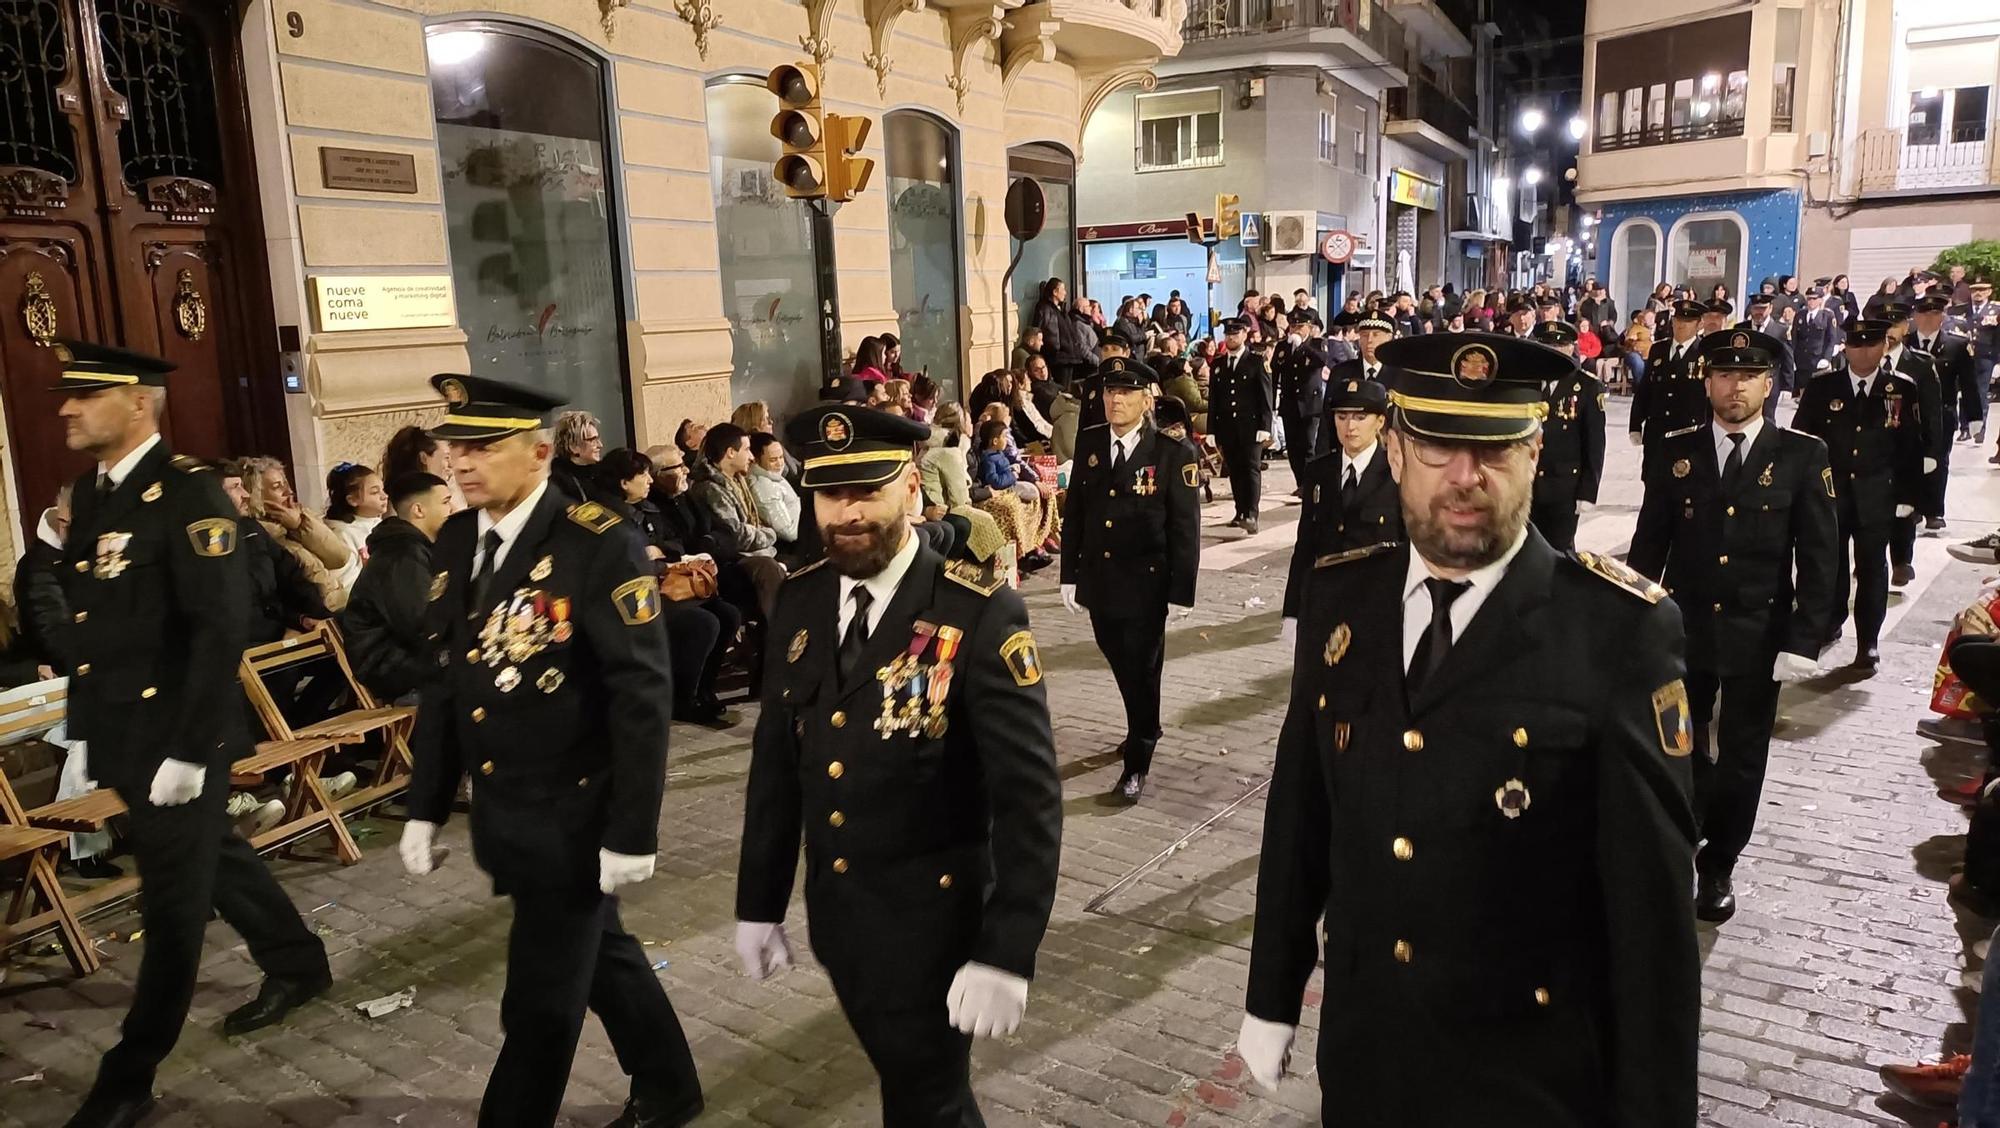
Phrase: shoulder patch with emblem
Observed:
(1023, 661)
(975, 575)
(1620, 575)
(593, 516)
(1191, 474)
(1603, 398)
(638, 600)
(1826, 479)
(807, 570)
(438, 583)
(213, 536)
(1671, 720)
(1352, 554)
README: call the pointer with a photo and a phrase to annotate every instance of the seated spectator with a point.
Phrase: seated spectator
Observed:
(943, 471)
(895, 398)
(383, 621)
(746, 582)
(688, 438)
(1638, 343)
(1029, 427)
(1191, 388)
(871, 361)
(45, 615)
(320, 551)
(1029, 348)
(355, 504)
(1041, 389)
(923, 398)
(411, 450)
(999, 467)
(753, 417)
(284, 594)
(892, 356)
(579, 447)
(994, 387)
(777, 502)
(1065, 414)
(721, 487)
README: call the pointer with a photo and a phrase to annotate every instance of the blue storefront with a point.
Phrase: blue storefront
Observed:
(1737, 239)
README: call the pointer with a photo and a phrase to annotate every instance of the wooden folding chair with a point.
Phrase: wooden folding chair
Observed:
(353, 726)
(38, 903)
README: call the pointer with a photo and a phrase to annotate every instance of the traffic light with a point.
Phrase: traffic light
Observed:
(1227, 221)
(1194, 229)
(846, 173)
(799, 127)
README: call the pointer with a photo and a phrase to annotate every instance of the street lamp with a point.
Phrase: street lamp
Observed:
(1531, 120)
(1532, 176)
(1577, 128)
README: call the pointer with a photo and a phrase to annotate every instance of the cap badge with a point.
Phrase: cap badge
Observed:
(1740, 341)
(454, 393)
(1354, 385)
(62, 352)
(1473, 365)
(836, 431)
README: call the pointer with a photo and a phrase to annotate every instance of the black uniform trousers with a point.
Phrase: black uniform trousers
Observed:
(1301, 440)
(1728, 789)
(1243, 457)
(192, 862)
(923, 1063)
(1556, 521)
(1136, 649)
(1903, 538)
(565, 952)
(1864, 549)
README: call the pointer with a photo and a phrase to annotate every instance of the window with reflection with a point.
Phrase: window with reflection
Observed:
(1051, 254)
(1706, 252)
(924, 244)
(1635, 265)
(764, 242)
(529, 209)
(1689, 82)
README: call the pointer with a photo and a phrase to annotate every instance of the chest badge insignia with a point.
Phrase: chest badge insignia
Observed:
(1837, 405)
(152, 493)
(797, 649)
(542, 569)
(111, 562)
(1512, 798)
(1336, 644)
(550, 681)
(507, 679)
(1681, 467)
(1764, 479)
(1093, 460)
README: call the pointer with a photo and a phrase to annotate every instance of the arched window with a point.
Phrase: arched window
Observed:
(529, 206)
(765, 243)
(1635, 264)
(1705, 248)
(1052, 254)
(926, 252)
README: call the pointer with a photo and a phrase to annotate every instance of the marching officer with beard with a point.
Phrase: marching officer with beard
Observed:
(905, 734)
(1738, 522)
(1572, 461)
(555, 696)
(1481, 797)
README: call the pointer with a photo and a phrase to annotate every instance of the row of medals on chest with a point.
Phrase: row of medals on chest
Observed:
(913, 689)
(1144, 481)
(527, 623)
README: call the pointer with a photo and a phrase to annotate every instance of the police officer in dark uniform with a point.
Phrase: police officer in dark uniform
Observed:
(1933, 425)
(1300, 366)
(158, 599)
(1371, 332)
(905, 732)
(1572, 462)
(1866, 415)
(1239, 417)
(1131, 548)
(1980, 318)
(1670, 398)
(1350, 497)
(1738, 523)
(1481, 794)
(555, 696)
(1521, 317)
(1762, 318)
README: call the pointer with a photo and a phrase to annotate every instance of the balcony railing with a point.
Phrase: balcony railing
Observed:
(1165, 158)
(1928, 160)
(1668, 135)
(1209, 20)
(1420, 101)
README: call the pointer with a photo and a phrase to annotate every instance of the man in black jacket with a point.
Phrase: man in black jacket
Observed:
(282, 595)
(1951, 356)
(1239, 416)
(38, 593)
(1572, 462)
(1301, 365)
(384, 618)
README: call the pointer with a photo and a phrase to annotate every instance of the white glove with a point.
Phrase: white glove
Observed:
(1930, 465)
(419, 848)
(614, 870)
(762, 948)
(985, 1001)
(1905, 510)
(1183, 612)
(1069, 598)
(1263, 437)
(1288, 631)
(176, 782)
(1637, 438)
(1266, 1047)
(1583, 507)
(1822, 366)
(1793, 667)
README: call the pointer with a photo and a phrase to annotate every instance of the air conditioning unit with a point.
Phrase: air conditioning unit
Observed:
(1290, 233)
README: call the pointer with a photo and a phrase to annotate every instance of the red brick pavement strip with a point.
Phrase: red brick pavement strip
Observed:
(1844, 956)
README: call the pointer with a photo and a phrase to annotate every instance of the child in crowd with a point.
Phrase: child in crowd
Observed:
(356, 503)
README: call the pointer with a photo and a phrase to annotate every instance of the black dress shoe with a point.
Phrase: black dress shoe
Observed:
(102, 1111)
(1933, 522)
(1131, 785)
(97, 868)
(698, 712)
(642, 1112)
(1866, 658)
(275, 999)
(1714, 900)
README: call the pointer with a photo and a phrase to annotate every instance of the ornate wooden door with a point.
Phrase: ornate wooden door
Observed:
(129, 215)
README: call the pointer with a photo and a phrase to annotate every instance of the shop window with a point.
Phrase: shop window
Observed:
(529, 210)
(1051, 254)
(1181, 129)
(765, 243)
(1635, 264)
(1706, 249)
(924, 244)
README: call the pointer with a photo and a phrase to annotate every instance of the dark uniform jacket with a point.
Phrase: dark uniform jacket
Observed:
(1132, 544)
(555, 694)
(1672, 396)
(1327, 525)
(44, 610)
(1922, 371)
(157, 599)
(1572, 463)
(1300, 378)
(1239, 398)
(1501, 864)
(1752, 569)
(1983, 322)
(1355, 369)
(1816, 336)
(383, 621)
(1951, 354)
(1874, 445)
(929, 801)
(281, 593)
(1785, 374)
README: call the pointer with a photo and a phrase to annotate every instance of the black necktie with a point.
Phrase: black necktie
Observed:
(1117, 457)
(1349, 489)
(104, 486)
(1436, 643)
(856, 638)
(490, 543)
(1734, 466)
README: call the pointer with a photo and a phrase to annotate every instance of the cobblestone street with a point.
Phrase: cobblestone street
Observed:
(1845, 954)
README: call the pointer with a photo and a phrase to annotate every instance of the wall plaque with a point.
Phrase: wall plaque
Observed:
(368, 170)
(374, 301)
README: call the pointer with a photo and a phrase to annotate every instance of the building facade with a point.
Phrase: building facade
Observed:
(314, 205)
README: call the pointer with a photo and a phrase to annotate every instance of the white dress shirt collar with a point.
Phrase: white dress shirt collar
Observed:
(1123, 445)
(881, 586)
(125, 465)
(1417, 597)
(509, 527)
(1359, 463)
(1720, 437)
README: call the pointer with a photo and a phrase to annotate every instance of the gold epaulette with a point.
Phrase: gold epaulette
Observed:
(1621, 575)
(593, 516)
(975, 575)
(1362, 553)
(188, 464)
(808, 569)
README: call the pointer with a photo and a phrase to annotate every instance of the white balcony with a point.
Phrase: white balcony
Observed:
(1904, 162)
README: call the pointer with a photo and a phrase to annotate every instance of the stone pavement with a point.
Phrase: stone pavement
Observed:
(1844, 956)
